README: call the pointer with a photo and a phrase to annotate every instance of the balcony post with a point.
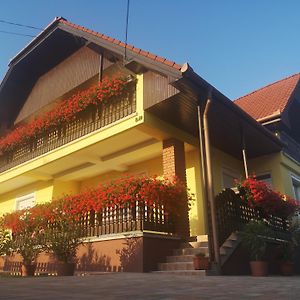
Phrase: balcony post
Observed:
(174, 166)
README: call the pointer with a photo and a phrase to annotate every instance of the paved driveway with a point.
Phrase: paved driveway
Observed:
(128, 286)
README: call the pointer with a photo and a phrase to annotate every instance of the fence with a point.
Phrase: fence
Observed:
(233, 213)
(93, 118)
(130, 217)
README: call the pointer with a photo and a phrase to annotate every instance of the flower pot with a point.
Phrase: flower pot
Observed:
(28, 270)
(259, 268)
(286, 268)
(65, 269)
(201, 263)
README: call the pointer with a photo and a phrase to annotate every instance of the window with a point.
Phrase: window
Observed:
(266, 178)
(296, 187)
(228, 178)
(25, 201)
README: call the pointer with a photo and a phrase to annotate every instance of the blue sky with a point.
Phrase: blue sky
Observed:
(236, 45)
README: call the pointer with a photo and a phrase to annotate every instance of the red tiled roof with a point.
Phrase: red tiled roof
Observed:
(269, 100)
(130, 47)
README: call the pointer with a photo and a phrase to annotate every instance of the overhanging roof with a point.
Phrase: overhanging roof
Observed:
(226, 120)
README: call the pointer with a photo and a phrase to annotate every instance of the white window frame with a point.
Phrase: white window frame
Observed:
(265, 174)
(231, 172)
(295, 178)
(29, 196)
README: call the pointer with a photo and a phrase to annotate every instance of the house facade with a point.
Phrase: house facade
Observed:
(170, 122)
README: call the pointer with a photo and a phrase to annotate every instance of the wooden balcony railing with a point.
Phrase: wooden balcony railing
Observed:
(140, 217)
(88, 121)
(233, 214)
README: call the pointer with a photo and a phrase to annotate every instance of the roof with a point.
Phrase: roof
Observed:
(55, 43)
(118, 42)
(269, 101)
(113, 41)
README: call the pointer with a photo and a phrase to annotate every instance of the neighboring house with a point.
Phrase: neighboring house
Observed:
(154, 131)
(277, 106)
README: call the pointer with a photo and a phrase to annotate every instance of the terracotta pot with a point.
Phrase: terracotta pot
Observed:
(201, 263)
(286, 268)
(28, 269)
(259, 268)
(65, 269)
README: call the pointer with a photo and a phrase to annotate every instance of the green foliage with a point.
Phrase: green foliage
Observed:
(254, 238)
(5, 240)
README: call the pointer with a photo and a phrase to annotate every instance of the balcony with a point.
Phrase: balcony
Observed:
(90, 120)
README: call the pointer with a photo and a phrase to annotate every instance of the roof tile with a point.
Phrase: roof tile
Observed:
(130, 47)
(269, 100)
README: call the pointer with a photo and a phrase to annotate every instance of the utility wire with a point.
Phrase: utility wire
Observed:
(16, 33)
(126, 33)
(20, 25)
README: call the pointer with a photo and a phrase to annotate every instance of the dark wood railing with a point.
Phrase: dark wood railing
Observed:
(233, 214)
(88, 121)
(137, 217)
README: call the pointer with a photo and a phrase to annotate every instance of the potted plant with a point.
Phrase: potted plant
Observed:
(286, 265)
(254, 238)
(201, 261)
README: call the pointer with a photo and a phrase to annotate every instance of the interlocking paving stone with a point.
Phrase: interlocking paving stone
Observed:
(150, 286)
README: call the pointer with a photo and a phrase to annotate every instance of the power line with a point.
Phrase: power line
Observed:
(126, 30)
(16, 33)
(20, 25)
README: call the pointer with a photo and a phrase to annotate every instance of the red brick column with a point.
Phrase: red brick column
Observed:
(174, 165)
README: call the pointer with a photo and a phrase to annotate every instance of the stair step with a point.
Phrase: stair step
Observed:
(229, 243)
(194, 244)
(202, 238)
(175, 266)
(190, 251)
(234, 237)
(186, 273)
(180, 258)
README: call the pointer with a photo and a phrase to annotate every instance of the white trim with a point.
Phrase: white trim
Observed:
(129, 234)
(295, 178)
(231, 172)
(24, 198)
(261, 174)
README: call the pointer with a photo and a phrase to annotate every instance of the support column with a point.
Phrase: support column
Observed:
(174, 166)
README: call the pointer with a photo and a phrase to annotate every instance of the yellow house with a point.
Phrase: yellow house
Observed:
(171, 122)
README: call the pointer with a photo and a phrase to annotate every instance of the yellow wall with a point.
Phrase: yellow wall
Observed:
(193, 175)
(150, 168)
(280, 167)
(269, 164)
(288, 167)
(221, 161)
(43, 193)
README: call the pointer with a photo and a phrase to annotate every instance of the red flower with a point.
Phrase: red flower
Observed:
(64, 111)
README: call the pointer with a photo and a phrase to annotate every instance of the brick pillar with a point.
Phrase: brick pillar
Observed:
(174, 165)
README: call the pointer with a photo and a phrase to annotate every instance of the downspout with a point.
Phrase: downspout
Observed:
(244, 153)
(203, 178)
(209, 185)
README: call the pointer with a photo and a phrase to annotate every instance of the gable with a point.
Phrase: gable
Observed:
(55, 44)
(70, 73)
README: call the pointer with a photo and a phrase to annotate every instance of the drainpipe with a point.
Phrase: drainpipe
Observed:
(244, 153)
(209, 185)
